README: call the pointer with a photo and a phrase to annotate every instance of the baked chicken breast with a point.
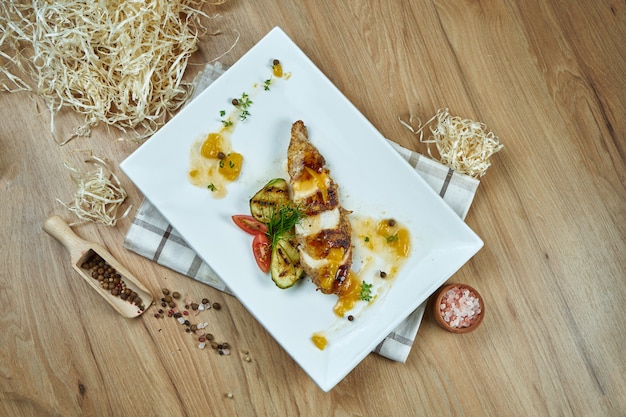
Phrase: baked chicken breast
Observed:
(324, 235)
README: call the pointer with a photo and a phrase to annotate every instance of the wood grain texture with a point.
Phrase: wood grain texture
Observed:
(548, 77)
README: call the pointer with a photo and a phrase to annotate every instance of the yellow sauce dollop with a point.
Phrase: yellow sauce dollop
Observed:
(396, 237)
(213, 164)
(319, 341)
(349, 295)
(277, 70)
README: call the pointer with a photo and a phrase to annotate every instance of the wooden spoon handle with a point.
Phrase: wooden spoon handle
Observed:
(56, 227)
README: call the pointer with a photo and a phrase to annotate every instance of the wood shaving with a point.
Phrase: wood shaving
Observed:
(119, 62)
(463, 145)
(98, 196)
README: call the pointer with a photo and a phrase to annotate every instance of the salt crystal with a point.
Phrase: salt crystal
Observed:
(202, 345)
(181, 320)
(459, 307)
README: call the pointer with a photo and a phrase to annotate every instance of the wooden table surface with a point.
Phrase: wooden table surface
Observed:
(547, 77)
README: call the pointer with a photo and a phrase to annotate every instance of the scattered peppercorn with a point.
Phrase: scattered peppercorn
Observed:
(203, 338)
(383, 274)
(350, 317)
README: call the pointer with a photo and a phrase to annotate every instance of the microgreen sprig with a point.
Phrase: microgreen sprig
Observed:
(366, 291)
(243, 104)
(392, 238)
(226, 122)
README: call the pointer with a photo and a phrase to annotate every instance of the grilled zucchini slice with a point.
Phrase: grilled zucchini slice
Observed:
(285, 265)
(270, 199)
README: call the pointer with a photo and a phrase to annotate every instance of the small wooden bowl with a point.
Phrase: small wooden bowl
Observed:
(474, 322)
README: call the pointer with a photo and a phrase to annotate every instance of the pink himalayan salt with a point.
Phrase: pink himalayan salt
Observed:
(460, 307)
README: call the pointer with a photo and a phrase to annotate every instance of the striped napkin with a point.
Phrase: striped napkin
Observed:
(151, 236)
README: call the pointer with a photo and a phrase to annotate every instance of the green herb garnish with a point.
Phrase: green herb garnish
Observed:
(244, 101)
(227, 122)
(244, 114)
(211, 187)
(282, 222)
(243, 104)
(266, 84)
(366, 291)
(392, 238)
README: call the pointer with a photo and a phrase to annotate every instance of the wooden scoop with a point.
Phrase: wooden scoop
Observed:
(81, 250)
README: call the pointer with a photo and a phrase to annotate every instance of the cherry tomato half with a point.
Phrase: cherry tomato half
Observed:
(249, 224)
(262, 250)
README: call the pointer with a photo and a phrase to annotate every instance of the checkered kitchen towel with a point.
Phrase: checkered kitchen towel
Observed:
(151, 236)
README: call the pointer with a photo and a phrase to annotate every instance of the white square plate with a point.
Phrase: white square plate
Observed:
(373, 179)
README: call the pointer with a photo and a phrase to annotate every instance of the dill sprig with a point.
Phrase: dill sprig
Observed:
(282, 222)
